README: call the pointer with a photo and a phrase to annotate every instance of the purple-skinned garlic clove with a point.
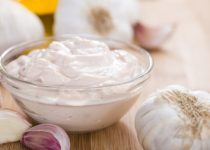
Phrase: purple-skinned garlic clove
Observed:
(152, 38)
(46, 137)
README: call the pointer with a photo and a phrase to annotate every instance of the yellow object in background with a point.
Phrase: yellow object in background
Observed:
(40, 7)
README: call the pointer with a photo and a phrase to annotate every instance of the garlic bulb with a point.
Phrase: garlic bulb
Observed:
(117, 19)
(12, 126)
(17, 24)
(175, 118)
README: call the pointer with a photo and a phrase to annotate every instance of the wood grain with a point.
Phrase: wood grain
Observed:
(184, 60)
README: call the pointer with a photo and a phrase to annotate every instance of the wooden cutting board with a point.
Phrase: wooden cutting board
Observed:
(183, 60)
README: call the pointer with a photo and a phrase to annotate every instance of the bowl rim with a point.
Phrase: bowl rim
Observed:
(144, 75)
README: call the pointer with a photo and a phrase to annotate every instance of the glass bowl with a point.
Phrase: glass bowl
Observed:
(76, 108)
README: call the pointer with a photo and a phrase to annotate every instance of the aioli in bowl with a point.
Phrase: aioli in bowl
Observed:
(89, 81)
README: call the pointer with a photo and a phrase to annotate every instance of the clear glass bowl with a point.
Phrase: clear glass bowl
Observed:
(76, 108)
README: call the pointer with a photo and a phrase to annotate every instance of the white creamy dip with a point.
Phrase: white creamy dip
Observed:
(76, 62)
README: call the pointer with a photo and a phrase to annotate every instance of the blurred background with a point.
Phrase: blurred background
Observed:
(44, 9)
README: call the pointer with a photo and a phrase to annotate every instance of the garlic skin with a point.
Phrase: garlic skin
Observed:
(12, 126)
(17, 24)
(46, 136)
(107, 18)
(174, 118)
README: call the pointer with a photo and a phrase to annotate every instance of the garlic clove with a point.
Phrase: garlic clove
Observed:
(152, 38)
(12, 126)
(46, 136)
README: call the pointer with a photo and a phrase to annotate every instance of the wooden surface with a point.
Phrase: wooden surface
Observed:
(184, 59)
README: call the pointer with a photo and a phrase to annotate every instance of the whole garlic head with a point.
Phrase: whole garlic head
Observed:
(175, 118)
(107, 18)
(116, 19)
(17, 24)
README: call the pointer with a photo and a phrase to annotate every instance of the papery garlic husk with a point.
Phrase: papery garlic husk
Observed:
(12, 126)
(17, 24)
(115, 19)
(175, 118)
(46, 137)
